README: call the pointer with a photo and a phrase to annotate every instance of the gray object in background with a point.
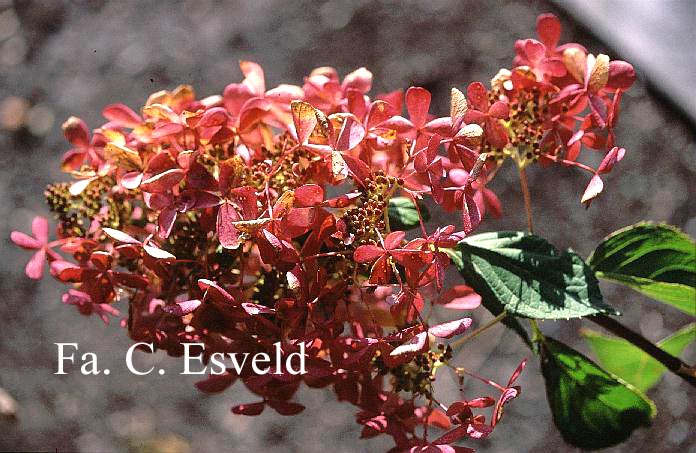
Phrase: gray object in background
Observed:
(656, 36)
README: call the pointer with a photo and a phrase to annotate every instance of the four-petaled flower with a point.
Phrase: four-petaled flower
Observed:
(39, 243)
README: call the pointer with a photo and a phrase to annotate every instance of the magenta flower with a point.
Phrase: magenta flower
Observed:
(487, 114)
(85, 306)
(86, 149)
(39, 242)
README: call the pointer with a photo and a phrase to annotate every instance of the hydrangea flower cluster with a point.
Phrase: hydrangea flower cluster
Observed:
(261, 216)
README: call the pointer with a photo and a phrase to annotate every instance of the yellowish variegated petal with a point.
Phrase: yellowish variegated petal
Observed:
(574, 60)
(123, 156)
(458, 105)
(250, 226)
(600, 73)
(338, 166)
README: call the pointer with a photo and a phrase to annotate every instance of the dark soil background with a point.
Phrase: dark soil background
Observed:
(61, 58)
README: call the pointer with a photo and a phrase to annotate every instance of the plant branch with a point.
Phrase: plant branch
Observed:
(478, 331)
(530, 226)
(672, 363)
(570, 163)
(527, 198)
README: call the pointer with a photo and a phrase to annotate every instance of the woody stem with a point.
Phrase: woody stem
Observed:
(386, 208)
(478, 331)
(672, 363)
(527, 197)
(420, 215)
(530, 226)
(570, 162)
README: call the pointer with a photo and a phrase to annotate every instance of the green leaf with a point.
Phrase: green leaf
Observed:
(489, 301)
(455, 256)
(632, 364)
(656, 260)
(528, 277)
(591, 408)
(403, 214)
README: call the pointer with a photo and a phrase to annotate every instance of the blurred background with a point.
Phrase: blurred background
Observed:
(61, 58)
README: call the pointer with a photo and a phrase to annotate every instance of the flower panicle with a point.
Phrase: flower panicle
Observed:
(260, 216)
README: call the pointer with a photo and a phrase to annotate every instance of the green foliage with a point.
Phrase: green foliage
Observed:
(489, 300)
(403, 214)
(657, 260)
(527, 276)
(591, 408)
(622, 358)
